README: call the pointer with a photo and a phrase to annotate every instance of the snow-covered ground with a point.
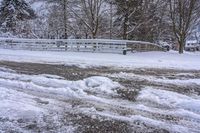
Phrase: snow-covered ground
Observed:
(159, 79)
(25, 100)
(38, 103)
(83, 59)
(123, 99)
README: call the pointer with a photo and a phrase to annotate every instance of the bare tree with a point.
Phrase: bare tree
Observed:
(183, 14)
(92, 11)
(128, 15)
(62, 7)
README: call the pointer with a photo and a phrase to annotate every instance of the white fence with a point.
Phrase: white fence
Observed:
(93, 45)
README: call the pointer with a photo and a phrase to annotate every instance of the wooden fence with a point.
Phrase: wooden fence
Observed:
(92, 45)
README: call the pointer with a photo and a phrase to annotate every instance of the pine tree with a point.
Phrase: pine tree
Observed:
(12, 11)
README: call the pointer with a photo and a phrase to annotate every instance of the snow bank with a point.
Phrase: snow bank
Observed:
(43, 83)
(170, 99)
(84, 59)
(16, 106)
(184, 108)
(160, 79)
(29, 98)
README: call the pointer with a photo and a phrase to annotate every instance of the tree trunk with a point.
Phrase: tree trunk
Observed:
(65, 19)
(125, 27)
(93, 35)
(181, 44)
(86, 35)
(181, 48)
(111, 19)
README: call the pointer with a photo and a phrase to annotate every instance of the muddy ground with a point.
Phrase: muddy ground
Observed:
(87, 124)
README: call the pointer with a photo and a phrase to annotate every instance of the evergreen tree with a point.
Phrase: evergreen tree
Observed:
(12, 11)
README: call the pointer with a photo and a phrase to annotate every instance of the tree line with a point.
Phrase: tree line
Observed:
(145, 20)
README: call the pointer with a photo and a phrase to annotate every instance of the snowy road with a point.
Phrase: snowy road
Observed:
(140, 100)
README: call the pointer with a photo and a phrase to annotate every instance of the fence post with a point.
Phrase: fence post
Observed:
(124, 52)
(124, 49)
(66, 45)
(97, 45)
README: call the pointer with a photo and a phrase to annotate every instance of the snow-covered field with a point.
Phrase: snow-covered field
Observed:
(126, 99)
(83, 59)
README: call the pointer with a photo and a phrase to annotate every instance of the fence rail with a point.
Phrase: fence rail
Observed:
(93, 45)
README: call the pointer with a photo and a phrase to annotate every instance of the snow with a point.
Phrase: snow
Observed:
(185, 108)
(170, 99)
(38, 95)
(178, 81)
(173, 104)
(58, 86)
(159, 79)
(83, 59)
(151, 122)
(37, 5)
(191, 41)
(43, 95)
(30, 98)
